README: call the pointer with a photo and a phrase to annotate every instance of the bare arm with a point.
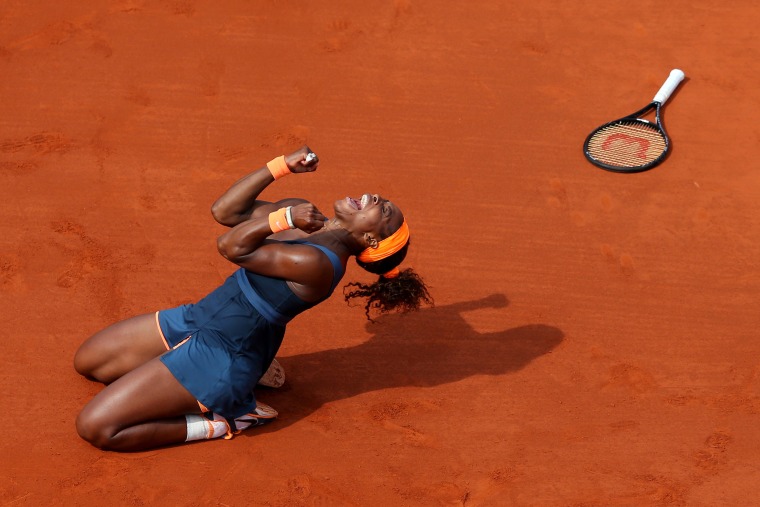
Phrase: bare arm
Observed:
(240, 202)
(246, 245)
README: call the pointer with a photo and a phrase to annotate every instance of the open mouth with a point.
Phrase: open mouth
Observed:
(360, 203)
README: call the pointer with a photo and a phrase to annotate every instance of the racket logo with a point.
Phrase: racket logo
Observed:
(625, 138)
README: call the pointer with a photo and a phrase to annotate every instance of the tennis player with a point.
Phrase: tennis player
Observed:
(188, 373)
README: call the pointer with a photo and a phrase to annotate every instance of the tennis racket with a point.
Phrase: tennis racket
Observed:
(632, 144)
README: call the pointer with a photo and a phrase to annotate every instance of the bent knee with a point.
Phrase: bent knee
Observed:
(94, 431)
(88, 358)
(81, 363)
(92, 367)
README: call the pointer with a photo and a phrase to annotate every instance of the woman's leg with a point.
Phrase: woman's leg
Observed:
(143, 409)
(120, 348)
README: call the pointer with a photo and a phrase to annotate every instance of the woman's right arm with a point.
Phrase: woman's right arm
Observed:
(240, 202)
(246, 245)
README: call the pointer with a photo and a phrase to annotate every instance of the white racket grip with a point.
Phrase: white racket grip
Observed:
(674, 79)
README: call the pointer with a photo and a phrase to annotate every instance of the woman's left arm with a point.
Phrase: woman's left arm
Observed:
(240, 202)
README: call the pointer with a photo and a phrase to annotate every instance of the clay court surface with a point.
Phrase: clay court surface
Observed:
(595, 335)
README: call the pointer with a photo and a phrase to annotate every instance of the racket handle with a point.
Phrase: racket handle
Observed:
(675, 77)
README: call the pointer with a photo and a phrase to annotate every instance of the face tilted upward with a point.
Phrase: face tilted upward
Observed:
(371, 214)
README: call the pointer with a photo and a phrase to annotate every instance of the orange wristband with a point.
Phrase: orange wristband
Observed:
(278, 167)
(278, 220)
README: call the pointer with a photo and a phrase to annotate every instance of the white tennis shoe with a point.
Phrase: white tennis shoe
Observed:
(261, 415)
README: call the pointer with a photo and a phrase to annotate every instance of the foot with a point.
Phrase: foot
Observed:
(274, 376)
(261, 415)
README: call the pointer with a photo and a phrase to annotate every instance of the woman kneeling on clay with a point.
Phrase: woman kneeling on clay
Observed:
(188, 373)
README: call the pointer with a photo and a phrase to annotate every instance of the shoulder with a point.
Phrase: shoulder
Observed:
(304, 265)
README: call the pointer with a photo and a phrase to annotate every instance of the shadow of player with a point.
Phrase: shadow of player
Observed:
(430, 347)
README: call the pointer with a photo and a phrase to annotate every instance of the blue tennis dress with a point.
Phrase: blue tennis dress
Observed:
(220, 346)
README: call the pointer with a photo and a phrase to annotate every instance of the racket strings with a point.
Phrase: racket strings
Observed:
(627, 144)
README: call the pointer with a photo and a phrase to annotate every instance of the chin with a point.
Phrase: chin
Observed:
(342, 208)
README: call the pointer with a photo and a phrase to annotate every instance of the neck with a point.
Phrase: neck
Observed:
(334, 234)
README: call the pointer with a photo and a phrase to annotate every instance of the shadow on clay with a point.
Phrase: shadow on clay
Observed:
(430, 347)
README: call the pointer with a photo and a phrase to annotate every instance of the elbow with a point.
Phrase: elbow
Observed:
(217, 211)
(222, 247)
(229, 250)
(224, 215)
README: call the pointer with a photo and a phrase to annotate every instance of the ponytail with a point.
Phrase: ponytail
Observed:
(404, 293)
(396, 289)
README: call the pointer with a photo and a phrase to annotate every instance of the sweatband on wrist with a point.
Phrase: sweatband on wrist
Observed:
(289, 217)
(278, 167)
(278, 220)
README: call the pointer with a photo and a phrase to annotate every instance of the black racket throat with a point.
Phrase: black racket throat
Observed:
(629, 144)
(641, 113)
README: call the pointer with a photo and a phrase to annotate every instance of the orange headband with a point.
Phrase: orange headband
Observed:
(387, 247)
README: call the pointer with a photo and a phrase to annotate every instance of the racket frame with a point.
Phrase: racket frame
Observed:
(662, 95)
(633, 117)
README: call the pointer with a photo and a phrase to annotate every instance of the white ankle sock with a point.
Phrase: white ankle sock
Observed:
(200, 428)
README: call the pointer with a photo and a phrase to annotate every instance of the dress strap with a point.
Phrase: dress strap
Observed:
(263, 306)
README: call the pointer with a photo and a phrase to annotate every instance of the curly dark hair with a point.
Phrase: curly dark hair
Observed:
(405, 292)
